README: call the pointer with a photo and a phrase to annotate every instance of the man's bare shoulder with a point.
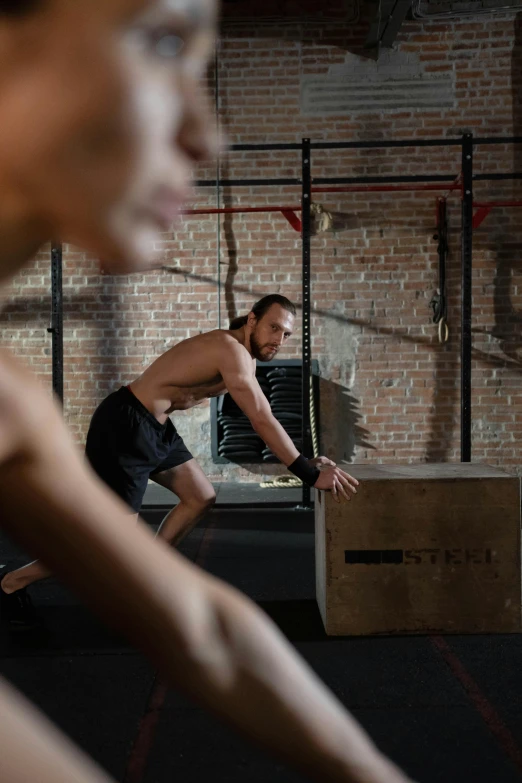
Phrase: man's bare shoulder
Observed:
(233, 342)
(226, 339)
(212, 342)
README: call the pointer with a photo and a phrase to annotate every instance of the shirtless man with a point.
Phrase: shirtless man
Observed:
(131, 437)
(82, 155)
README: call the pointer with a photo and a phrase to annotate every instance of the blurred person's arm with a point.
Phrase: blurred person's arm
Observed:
(207, 639)
(32, 750)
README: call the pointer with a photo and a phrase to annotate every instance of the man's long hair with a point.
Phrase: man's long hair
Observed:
(261, 307)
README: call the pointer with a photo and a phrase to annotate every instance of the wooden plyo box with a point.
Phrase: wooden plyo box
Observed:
(430, 548)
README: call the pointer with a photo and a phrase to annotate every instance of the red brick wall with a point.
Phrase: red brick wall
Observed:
(390, 391)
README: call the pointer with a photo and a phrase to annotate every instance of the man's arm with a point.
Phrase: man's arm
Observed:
(242, 385)
(236, 370)
(206, 638)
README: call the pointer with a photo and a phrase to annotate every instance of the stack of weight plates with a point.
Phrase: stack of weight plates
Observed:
(238, 441)
(285, 395)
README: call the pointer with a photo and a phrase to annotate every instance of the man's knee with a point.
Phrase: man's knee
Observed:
(200, 501)
(207, 500)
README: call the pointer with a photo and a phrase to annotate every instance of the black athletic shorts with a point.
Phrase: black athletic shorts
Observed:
(126, 444)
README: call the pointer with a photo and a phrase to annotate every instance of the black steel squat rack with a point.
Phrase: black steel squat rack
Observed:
(462, 181)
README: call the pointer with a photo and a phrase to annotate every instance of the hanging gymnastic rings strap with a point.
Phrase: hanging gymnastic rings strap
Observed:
(443, 331)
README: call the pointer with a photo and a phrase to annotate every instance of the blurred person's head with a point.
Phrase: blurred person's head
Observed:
(102, 119)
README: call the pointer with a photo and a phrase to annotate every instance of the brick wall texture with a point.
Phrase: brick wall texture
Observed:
(389, 389)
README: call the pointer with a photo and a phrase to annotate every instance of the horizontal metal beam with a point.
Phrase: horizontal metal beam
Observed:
(240, 183)
(497, 140)
(384, 180)
(211, 183)
(374, 144)
(491, 177)
(262, 147)
(226, 183)
(234, 210)
(444, 187)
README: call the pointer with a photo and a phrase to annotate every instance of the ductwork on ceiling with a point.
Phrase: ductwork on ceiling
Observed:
(452, 9)
(238, 13)
(390, 14)
(388, 18)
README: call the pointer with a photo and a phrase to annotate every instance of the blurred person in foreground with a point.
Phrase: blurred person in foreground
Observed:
(101, 123)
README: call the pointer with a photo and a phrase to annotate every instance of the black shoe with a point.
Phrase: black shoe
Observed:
(17, 611)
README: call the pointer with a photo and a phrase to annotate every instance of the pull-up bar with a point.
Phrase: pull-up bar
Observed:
(342, 189)
(289, 213)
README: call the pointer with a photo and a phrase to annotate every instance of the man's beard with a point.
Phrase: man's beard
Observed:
(259, 351)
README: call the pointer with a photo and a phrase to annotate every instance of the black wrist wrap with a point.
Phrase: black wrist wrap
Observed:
(303, 470)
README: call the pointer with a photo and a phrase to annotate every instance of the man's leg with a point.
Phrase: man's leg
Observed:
(24, 576)
(16, 608)
(196, 496)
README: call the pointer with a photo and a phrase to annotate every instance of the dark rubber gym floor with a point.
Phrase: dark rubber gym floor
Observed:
(448, 709)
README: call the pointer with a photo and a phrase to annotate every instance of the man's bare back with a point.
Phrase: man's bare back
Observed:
(187, 373)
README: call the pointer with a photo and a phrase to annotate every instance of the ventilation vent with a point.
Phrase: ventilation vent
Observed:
(323, 96)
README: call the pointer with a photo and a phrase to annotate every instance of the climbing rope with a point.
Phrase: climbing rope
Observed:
(281, 482)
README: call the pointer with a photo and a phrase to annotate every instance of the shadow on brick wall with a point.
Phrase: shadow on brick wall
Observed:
(232, 250)
(340, 430)
(445, 408)
(507, 328)
(508, 318)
